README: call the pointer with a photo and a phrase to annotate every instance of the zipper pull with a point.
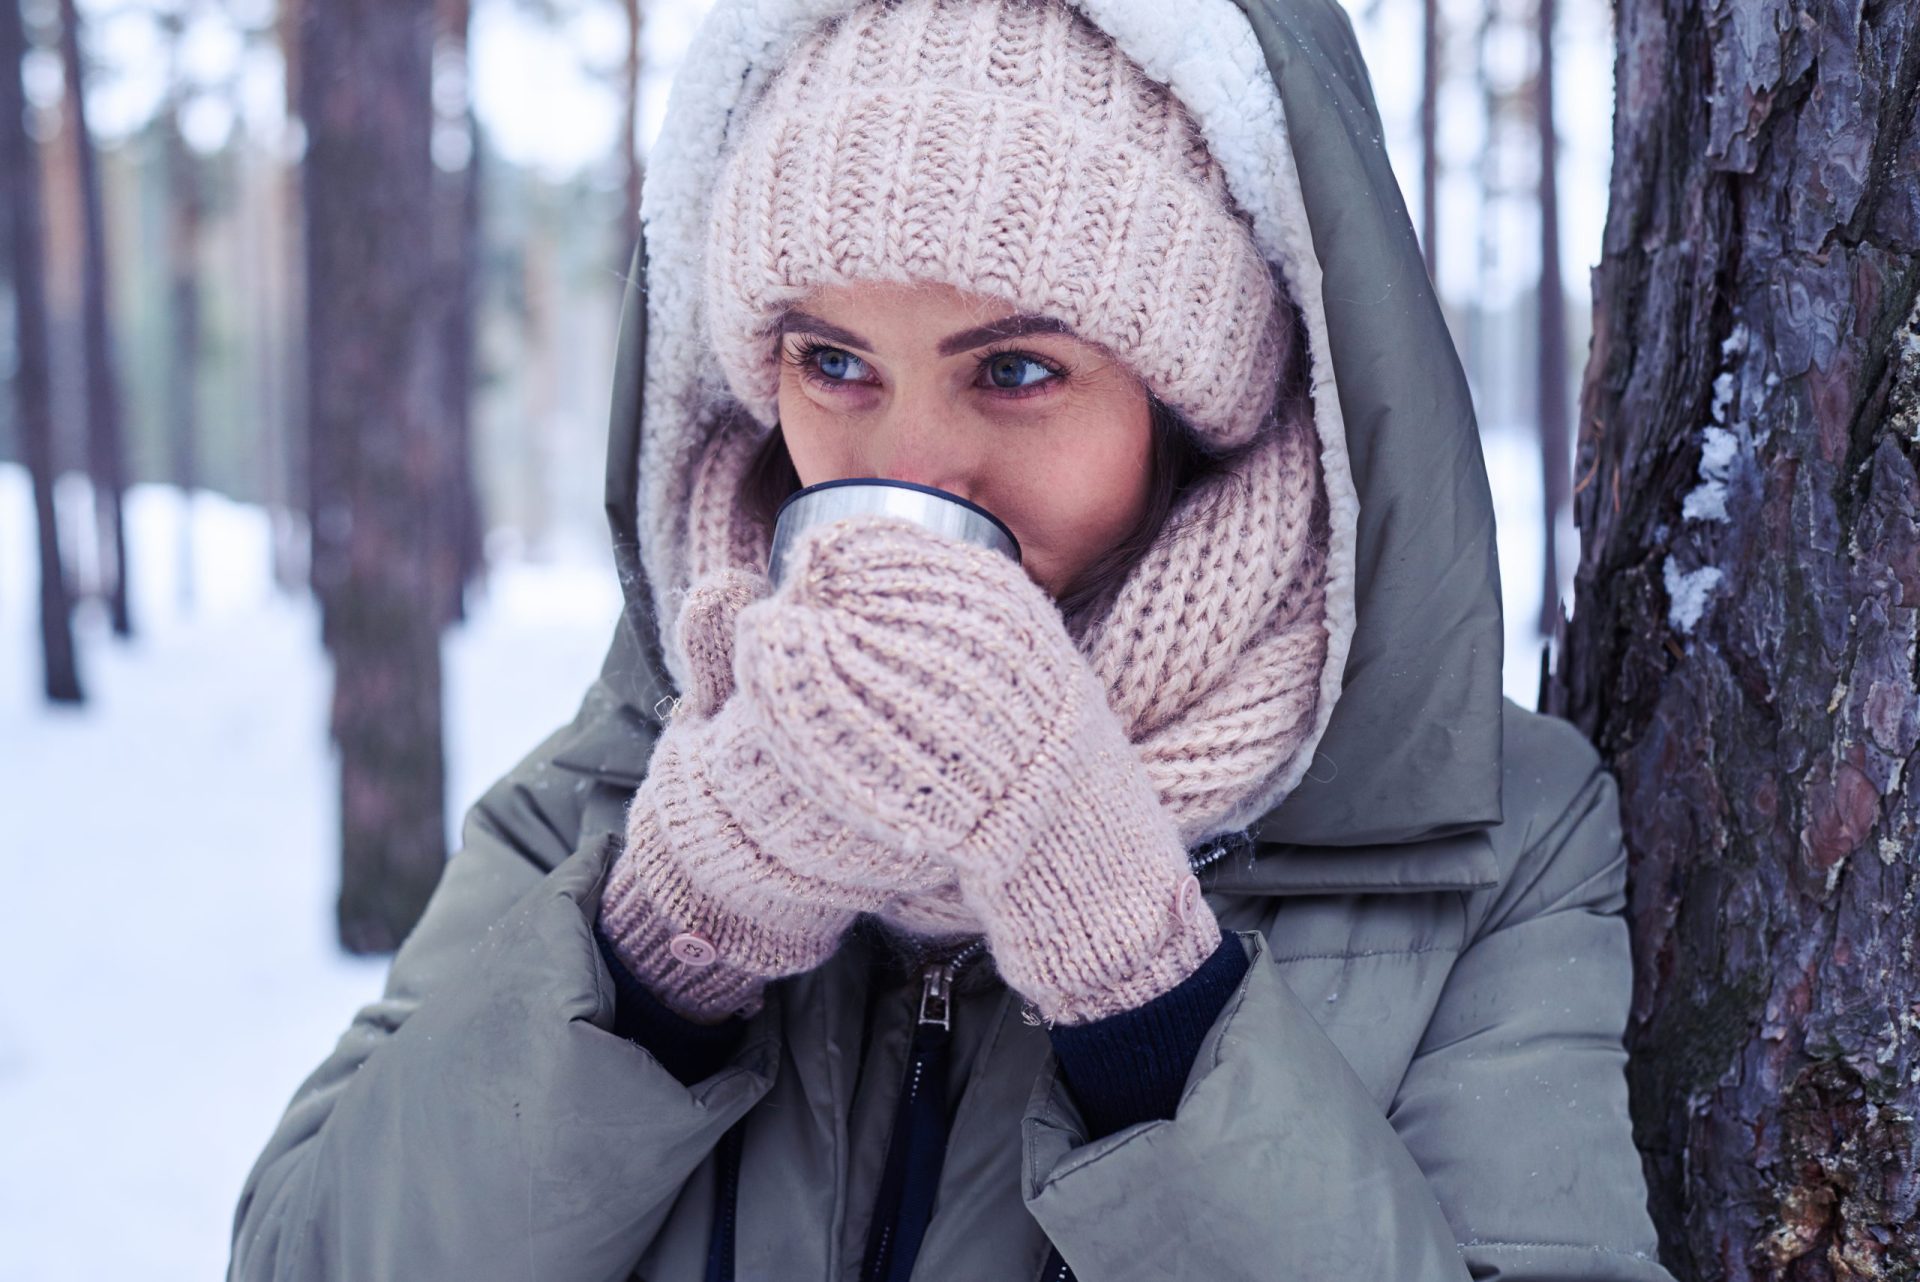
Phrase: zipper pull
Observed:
(936, 983)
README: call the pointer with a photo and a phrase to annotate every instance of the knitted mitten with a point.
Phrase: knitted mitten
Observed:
(730, 877)
(927, 693)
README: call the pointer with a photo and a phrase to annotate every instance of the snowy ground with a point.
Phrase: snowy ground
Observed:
(166, 941)
(166, 935)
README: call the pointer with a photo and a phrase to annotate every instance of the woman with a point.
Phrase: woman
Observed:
(1183, 901)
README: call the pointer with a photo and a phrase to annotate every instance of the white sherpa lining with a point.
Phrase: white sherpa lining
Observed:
(1204, 51)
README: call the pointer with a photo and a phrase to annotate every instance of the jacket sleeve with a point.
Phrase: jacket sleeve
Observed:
(487, 1107)
(1507, 1152)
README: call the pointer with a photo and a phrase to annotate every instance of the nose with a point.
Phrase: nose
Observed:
(926, 447)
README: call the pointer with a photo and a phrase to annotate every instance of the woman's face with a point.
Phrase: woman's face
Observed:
(925, 383)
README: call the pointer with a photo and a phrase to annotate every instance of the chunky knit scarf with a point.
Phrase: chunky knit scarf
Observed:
(1212, 650)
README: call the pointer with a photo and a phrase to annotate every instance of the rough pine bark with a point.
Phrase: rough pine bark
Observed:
(378, 443)
(1743, 648)
(20, 236)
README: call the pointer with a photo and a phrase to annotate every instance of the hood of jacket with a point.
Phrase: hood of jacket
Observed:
(1409, 742)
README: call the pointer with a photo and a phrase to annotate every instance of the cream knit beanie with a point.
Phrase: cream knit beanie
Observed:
(1006, 148)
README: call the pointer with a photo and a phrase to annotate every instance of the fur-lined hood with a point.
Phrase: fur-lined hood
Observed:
(1407, 740)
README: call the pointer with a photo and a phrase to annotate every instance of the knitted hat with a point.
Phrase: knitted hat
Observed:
(1006, 148)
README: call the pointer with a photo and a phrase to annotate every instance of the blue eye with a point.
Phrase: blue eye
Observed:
(1011, 370)
(838, 365)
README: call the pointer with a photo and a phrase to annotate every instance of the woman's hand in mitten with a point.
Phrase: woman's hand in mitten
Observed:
(927, 692)
(730, 877)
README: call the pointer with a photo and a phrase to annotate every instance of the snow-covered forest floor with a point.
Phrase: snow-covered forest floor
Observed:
(168, 970)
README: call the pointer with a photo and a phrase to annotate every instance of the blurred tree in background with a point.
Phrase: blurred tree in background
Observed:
(20, 218)
(262, 278)
(106, 434)
(380, 445)
(186, 201)
(457, 242)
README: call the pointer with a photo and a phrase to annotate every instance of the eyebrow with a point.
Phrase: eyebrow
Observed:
(1012, 327)
(979, 336)
(795, 319)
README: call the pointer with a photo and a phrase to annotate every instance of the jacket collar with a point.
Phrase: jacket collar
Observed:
(1461, 861)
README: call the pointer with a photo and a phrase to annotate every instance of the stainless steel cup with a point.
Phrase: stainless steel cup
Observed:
(937, 510)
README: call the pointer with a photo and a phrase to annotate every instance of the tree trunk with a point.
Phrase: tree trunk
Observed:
(378, 445)
(21, 232)
(1743, 651)
(293, 542)
(185, 207)
(459, 559)
(1481, 331)
(540, 295)
(106, 429)
(1550, 382)
(630, 132)
(260, 255)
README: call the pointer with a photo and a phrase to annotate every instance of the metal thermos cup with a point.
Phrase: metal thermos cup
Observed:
(937, 510)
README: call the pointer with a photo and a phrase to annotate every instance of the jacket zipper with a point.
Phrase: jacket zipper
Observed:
(918, 1142)
(720, 1247)
(917, 1146)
